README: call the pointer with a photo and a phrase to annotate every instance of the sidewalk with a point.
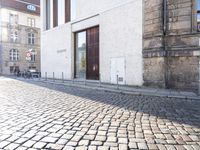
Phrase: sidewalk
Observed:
(120, 88)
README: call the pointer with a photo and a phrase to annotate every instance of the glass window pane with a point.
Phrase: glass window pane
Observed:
(61, 12)
(198, 17)
(81, 55)
(73, 9)
(198, 4)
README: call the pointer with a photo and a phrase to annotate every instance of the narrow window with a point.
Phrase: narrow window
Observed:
(14, 55)
(31, 22)
(67, 11)
(55, 13)
(33, 56)
(13, 19)
(80, 71)
(31, 38)
(48, 14)
(73, 9)
(198, 15)
(61, 12)
(14, 37)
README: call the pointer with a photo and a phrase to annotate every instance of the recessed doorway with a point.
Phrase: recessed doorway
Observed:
(87, 54)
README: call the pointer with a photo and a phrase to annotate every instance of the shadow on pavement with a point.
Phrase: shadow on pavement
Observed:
(180, 111)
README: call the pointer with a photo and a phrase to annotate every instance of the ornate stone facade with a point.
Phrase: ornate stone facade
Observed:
(171, 44)
(19, 31)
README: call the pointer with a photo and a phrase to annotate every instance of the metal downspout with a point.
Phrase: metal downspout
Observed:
(164, 43)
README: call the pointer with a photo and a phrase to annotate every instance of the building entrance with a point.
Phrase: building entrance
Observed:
(87, 54)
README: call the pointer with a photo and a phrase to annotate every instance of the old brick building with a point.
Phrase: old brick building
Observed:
(171, 44)
(19, 35)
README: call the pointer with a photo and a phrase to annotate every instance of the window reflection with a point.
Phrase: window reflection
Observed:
(81, 55)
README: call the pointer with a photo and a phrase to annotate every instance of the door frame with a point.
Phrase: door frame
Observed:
(75, 48)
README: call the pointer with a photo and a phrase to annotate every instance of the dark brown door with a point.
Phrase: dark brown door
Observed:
(92, 53)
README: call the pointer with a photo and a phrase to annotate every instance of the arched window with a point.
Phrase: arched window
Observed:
(14, 55)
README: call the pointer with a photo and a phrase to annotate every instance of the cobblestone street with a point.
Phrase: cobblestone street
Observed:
(36, 115)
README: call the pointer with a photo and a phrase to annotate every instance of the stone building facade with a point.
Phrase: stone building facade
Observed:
(19, 36)
(171, 44)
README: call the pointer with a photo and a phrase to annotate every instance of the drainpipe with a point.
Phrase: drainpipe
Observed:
(199, 78)
(164, 43)
(1, 47)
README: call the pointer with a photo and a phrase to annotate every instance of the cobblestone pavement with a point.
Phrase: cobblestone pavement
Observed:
(45, 116)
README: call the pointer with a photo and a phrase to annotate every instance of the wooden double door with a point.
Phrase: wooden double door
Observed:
(87, 54)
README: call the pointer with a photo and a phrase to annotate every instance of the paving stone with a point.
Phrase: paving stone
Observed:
(170, 147)
(161, 147)
(21, 148)
(188, 147)
(112, 139)
(62, 141)
(81, 148)
(132, 145)
(123, 147)
(84, 142)
(194, 138)
(179, 147)
(21, 140)
(196, 147)
(102, 133)
(97, 143)
(76, 138)
(39, 145)
(114, 148)
(12, 138)
(37, 138)
(89, 137)
(49, 139)
(142, 145)
(12, 146)
(103, 148)
(100, 138)
(111, 144)
(4, 144)
(123, 140)
(54, 146)
(29, 143)
(68, 148)
(67, 136)
(152, 146)
(71, 143)
(92, 148)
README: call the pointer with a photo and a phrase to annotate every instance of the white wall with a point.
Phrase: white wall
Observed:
(121, 37)
(92, 7)
(56, 54)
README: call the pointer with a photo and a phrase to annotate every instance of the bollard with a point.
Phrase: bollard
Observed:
(117, 81)
(85, 80)
(100, 80)
(199, 80)
(62, 77)
(39, 76)
(53, 77)
(45, 76)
